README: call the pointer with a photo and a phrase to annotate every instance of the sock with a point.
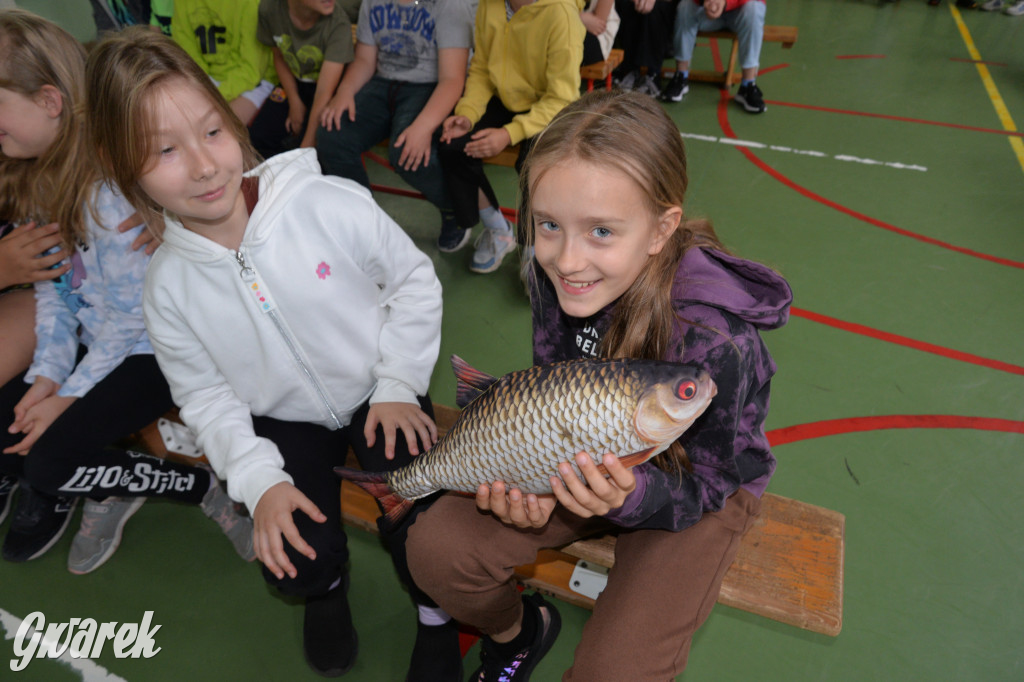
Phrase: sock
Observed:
(432, 615)
(493, 219)
(531, 621)
(685, 72)
(746, 83)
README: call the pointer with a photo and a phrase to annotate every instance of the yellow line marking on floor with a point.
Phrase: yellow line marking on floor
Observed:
(1016, 143)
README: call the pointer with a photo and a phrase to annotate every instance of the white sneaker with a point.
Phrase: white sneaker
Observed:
(1016, 9)
(993, 5)
(491, 247)
(100, 533)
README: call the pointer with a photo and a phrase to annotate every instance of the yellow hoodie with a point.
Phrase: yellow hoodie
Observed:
(531, 61)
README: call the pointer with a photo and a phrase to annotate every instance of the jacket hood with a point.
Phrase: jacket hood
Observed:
(749, 290)
(277, 178)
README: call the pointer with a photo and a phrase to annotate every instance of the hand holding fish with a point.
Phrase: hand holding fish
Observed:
(596, 495)
(272, 518)
(413, 421)
(513, 507)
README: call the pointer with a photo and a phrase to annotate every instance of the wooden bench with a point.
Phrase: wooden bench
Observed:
(602, 70)
(789, 567)
(786, 35)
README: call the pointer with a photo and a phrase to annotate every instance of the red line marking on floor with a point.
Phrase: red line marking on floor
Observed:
(860, 56)
(723, 120)
(761, 72)
(907, 342)
(716, 56)
(976, 61)
(894, 118)
(834, 427)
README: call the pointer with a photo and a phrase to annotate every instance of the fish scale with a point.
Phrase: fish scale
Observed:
(518, 431)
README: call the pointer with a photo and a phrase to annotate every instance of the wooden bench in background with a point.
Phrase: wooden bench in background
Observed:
(786, 35)
(601, 71)
(789, 567)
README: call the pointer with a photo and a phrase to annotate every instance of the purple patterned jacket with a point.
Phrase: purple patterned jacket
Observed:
(723, 302)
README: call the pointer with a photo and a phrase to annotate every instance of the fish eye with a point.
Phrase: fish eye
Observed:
(686, 390)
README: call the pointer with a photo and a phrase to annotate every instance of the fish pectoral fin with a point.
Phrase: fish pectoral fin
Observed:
(629, 461)
(470, 382)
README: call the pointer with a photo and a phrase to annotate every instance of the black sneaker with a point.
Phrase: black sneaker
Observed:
(8, 484)
(519, 667)
(676, 88)
(329, 638)
(39, 521)
(749, 97)
(453, 239)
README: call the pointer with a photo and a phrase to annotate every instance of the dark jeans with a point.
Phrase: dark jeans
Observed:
(267, 131)
(75, 457)
(310, 454)
(384, 108)
(465, 174)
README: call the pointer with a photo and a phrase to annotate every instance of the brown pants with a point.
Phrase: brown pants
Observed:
(660, 591)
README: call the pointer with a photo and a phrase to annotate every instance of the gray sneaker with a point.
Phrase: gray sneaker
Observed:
(100, 532)
(218, 506)
(648, 86)
(491, 247)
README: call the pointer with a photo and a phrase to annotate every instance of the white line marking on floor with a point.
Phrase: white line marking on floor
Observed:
(802, 152)
(91, 672)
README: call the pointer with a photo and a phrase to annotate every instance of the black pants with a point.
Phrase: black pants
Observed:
(75, 457)
(267, 131)
(465, 174)
(310, 454)
(645, 39)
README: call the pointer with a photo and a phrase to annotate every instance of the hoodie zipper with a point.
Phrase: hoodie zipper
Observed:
(248, 275)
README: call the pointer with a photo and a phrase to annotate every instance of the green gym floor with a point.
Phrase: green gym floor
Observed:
(886, 182)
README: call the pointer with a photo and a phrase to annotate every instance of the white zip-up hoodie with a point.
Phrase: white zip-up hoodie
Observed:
(326, 303)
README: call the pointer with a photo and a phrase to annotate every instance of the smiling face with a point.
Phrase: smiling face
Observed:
(594, 233)
(195, 166)
(28, 124)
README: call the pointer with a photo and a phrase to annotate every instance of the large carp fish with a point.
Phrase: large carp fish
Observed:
(518, 428)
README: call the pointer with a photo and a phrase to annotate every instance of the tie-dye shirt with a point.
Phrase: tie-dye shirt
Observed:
(96, 304)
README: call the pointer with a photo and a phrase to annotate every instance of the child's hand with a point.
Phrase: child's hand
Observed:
(643, 6)
(714, 8)
(593, 23)
(147, 237)
(514, 508)
(488, 142)
(296, 114)
(455, 127)
(330, 117)
(39, 391)
(35, 419)
(21, 259)
(415, 145)
(598, 495)
(272, 518)
(393, 416)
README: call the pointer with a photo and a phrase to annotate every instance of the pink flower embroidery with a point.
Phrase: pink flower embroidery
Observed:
(323, 271)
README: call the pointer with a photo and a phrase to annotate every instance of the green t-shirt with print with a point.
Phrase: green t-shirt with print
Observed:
(330, 39)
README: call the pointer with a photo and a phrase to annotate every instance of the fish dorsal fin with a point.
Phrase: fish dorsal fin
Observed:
(629, 460)
(469, 382)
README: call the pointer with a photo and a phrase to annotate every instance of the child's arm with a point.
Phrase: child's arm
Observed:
(35, 412)
(326, 84)
(296, 108)
(596, 21)
(357, 74)
(415, 141)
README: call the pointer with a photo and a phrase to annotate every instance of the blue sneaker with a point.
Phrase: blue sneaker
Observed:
(451, 240)
(491, 247)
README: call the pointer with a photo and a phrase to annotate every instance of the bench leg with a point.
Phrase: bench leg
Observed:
(729, 71)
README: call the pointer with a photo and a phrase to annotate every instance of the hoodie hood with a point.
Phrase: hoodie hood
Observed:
(278, 177)
(753, 292)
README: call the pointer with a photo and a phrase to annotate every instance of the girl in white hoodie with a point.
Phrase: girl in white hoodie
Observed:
(292, 318)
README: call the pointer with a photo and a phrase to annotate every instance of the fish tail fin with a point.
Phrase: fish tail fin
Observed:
(470, 382)
(394, 506)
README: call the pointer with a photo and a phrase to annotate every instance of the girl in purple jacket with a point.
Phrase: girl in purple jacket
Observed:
(621, 272)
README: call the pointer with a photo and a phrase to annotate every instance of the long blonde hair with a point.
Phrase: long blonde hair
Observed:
(57, 185)
(632, 133)
(122, 73)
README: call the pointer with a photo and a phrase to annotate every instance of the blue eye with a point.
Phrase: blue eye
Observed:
(547, 225)
(602, 232)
